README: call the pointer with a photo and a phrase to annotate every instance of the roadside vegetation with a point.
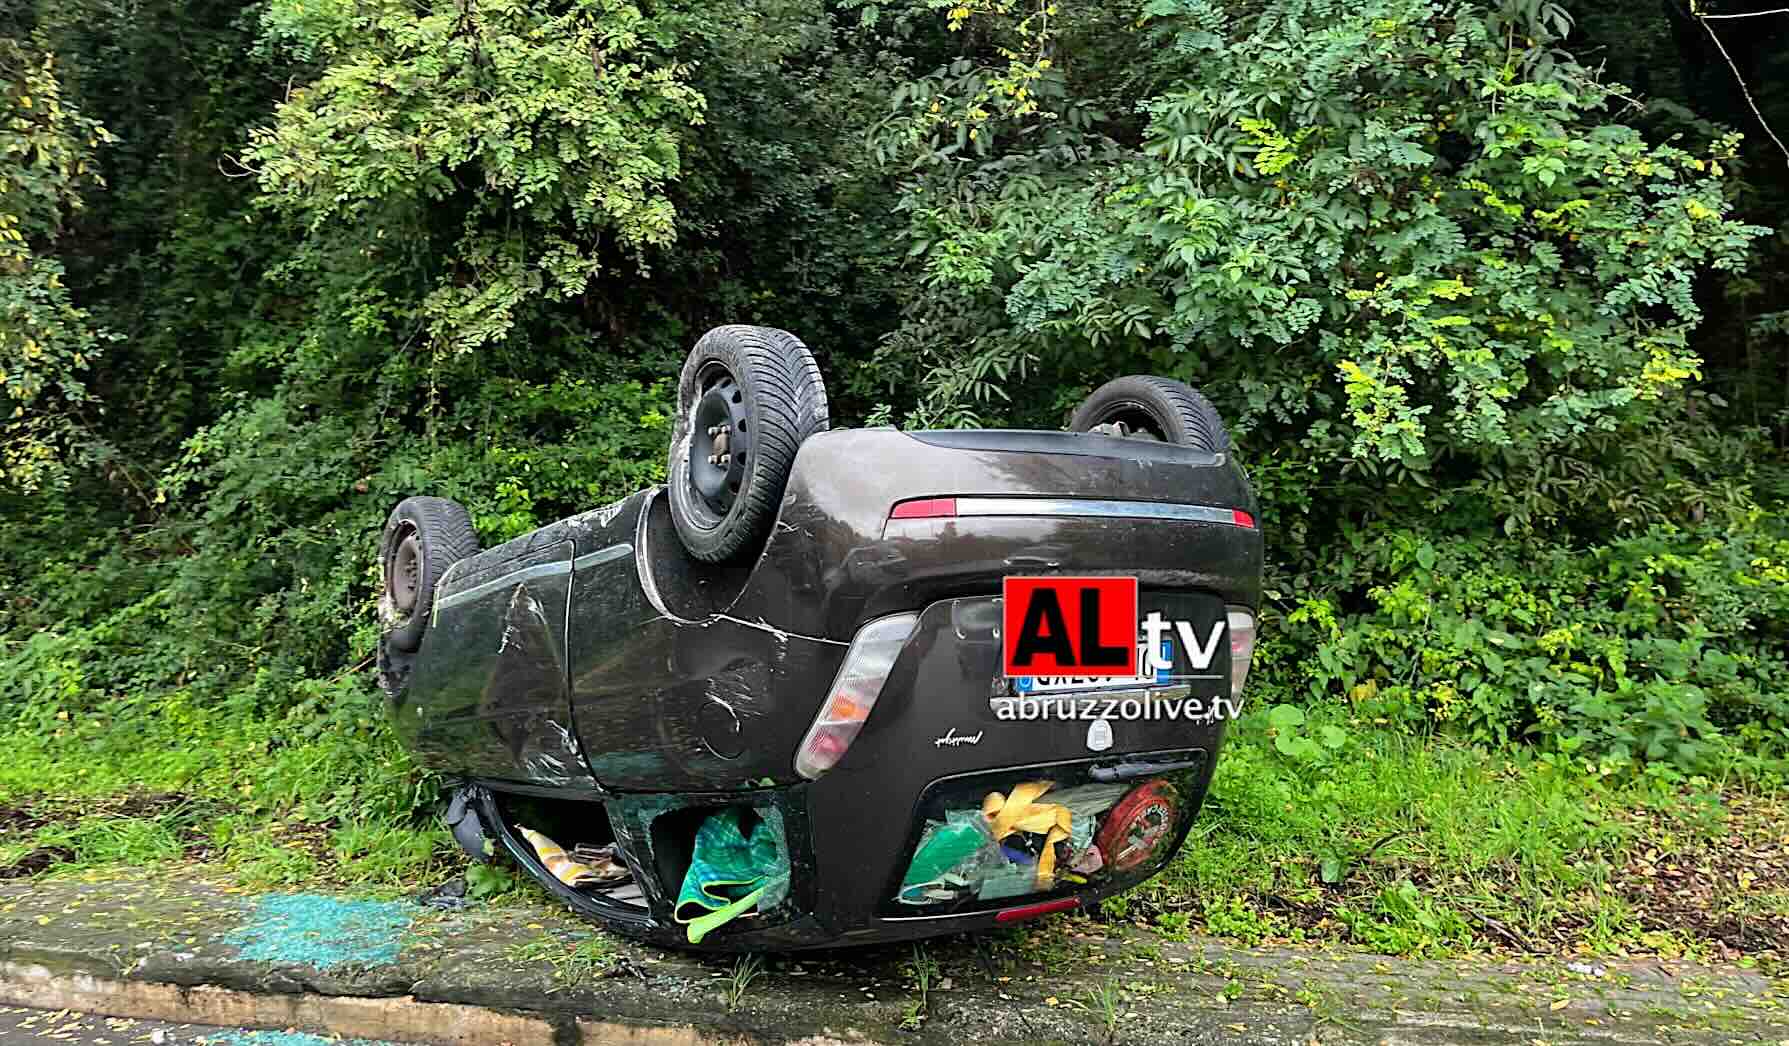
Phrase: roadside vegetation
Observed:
(1490, 296)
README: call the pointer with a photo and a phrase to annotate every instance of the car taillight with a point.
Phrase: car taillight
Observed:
(925, 508)
(853, 694)
(1242, 648)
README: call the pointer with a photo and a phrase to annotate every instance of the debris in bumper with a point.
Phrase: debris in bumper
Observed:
(733, 870)
(1139, 826)
(952, 856)
(568, 869)
(1021, 812)
(1017, 843)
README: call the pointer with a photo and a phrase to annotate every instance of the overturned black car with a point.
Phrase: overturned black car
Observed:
(771, 704)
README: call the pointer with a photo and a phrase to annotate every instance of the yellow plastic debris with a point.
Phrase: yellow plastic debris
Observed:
(561, 864)
(1020, 811)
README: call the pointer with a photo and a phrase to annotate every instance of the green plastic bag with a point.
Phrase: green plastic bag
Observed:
(951, 852)
(731, 873)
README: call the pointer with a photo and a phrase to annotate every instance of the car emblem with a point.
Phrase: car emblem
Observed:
(1099, 735)
(951, 739)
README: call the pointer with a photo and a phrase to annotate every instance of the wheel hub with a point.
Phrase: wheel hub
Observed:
(720, 441)
(406, 573)
(1131, 421)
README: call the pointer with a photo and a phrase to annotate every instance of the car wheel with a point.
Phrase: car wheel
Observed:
(1144, 407)
(747, 398)
(423, 537)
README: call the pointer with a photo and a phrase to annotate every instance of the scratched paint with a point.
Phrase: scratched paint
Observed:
(321, 932)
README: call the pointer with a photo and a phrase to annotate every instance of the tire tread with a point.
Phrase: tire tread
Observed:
(788, 405)
(1189, 416)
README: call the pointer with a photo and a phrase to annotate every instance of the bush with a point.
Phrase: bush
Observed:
(1670, 646)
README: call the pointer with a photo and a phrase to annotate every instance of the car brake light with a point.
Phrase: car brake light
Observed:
(1242, 519)
(925, 508)
(854, 692)
(1242, 648)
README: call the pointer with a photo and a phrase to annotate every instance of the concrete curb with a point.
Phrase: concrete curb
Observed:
(203, 953)
(400, 1018)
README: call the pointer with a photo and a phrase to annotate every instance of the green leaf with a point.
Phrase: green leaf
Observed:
(1285, 717)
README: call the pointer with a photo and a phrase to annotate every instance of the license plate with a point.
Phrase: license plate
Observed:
(1030, 686)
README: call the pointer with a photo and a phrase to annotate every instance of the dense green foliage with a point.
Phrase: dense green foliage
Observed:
(47, 343)
(1502, 343)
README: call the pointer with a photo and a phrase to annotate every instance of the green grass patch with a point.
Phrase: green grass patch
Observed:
(1418, 845)
(322, 793)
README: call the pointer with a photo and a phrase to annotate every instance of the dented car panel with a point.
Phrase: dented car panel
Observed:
(595, 660)
(492, 674)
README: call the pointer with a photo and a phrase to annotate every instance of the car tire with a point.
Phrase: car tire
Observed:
(746, 399)
(423, 537)
(1142, 406)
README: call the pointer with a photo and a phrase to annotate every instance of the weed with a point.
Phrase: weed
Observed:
(1144, 951)
(1235, 917)
(924, 971)
(1107, 1005)
(575, 963)
(490, 881)
(745, 970)
(1173, 925)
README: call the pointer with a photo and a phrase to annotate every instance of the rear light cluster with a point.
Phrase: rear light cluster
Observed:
(1242, 648)
(925, 508)
(854, 693)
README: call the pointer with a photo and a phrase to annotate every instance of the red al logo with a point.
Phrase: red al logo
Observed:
(1088, 627)
(1069, 626)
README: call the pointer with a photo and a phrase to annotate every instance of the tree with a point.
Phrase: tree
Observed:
(47, 343)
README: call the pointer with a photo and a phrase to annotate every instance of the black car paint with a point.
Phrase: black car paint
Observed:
(594, 659)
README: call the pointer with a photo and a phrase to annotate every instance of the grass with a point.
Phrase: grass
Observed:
(323, 794)
(1107, 1004)
(1395, 843)
(924, 971)
(746, 969)
(1413, 845)
(575, 962)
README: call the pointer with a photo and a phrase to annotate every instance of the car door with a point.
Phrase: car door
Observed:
(494, 669)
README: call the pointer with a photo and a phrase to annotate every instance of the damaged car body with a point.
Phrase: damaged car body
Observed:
(793, 729)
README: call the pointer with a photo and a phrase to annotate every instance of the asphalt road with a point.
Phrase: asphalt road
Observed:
(20, 1027)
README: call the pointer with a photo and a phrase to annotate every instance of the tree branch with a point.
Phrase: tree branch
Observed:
(1740, 80)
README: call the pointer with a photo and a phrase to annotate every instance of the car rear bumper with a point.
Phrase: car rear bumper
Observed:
(851, 851)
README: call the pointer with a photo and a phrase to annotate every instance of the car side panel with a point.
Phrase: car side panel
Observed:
(666, 702)
(489, 697)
